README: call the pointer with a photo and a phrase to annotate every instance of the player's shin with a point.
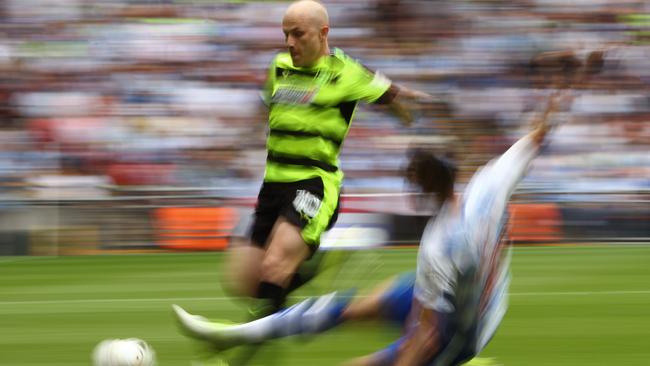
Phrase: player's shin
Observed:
(269, 299)
(313, 315)
(306, 317)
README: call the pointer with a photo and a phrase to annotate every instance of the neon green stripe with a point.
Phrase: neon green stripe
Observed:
(323, 120)
(312, 232)
(276, 172)
(309, 147)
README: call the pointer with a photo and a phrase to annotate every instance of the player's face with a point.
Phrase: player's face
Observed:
(304, 41)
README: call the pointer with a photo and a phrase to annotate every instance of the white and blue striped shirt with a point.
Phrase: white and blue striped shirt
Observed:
(462, 270)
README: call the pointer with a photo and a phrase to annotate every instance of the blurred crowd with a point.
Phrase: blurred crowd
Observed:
(97, 97)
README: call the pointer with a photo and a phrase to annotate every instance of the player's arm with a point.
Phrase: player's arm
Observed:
(512, 165)
(568, 59)
(571, 68)
(374, 87)
(436, 281)
(406, 101)
(556, 59)
(423, 343)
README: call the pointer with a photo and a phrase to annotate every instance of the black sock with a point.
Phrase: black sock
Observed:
(306, 271)
(274, 294)
(296, 281)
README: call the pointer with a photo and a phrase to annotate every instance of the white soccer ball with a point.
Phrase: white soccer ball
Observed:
(124, 352)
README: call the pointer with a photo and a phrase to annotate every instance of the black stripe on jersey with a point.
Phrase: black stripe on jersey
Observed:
(347, 110)
(277, 131)
(297, 160)
(388, 96)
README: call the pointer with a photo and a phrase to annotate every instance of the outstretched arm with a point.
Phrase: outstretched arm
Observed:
(567, 68)
(374, 87)
(408, 101)
(415, 348)
(512, 165)
(423, 343)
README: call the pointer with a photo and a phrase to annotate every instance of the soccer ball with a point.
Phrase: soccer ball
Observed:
(124, 352)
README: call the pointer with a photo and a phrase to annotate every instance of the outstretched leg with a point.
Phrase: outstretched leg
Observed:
(310, 316)
(391, 300)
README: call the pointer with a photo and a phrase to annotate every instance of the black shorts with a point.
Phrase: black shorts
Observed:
(308, 204)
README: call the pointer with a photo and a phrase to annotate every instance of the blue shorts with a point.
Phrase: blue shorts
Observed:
(397, 305)
(397, 301)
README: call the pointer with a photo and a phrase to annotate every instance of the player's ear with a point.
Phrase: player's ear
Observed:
(324, 31)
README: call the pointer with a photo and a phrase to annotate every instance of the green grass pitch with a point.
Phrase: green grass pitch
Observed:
(576, 305)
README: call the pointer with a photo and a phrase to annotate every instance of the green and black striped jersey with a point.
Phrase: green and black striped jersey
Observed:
(310, 113)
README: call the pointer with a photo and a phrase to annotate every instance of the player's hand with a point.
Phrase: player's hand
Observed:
(422, 97)
(403, 112)
(541, 124)
(408, 104)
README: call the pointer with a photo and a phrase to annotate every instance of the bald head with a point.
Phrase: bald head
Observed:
(314, 11)
(306, 26)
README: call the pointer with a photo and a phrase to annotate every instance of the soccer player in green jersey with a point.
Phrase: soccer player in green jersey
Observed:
(311, 93)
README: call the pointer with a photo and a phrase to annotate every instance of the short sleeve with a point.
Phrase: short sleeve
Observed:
(366, 85)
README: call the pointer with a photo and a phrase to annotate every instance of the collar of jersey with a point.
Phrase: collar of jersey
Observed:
(333, 60)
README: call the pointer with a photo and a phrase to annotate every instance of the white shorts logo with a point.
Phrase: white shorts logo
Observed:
(306, 203)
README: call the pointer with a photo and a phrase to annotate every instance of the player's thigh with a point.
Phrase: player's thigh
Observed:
(241, 272)
(285, 251)
(368, 307)
(390, 300)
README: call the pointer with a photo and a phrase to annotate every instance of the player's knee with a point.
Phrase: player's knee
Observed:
(284, 255)
(277, 265)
